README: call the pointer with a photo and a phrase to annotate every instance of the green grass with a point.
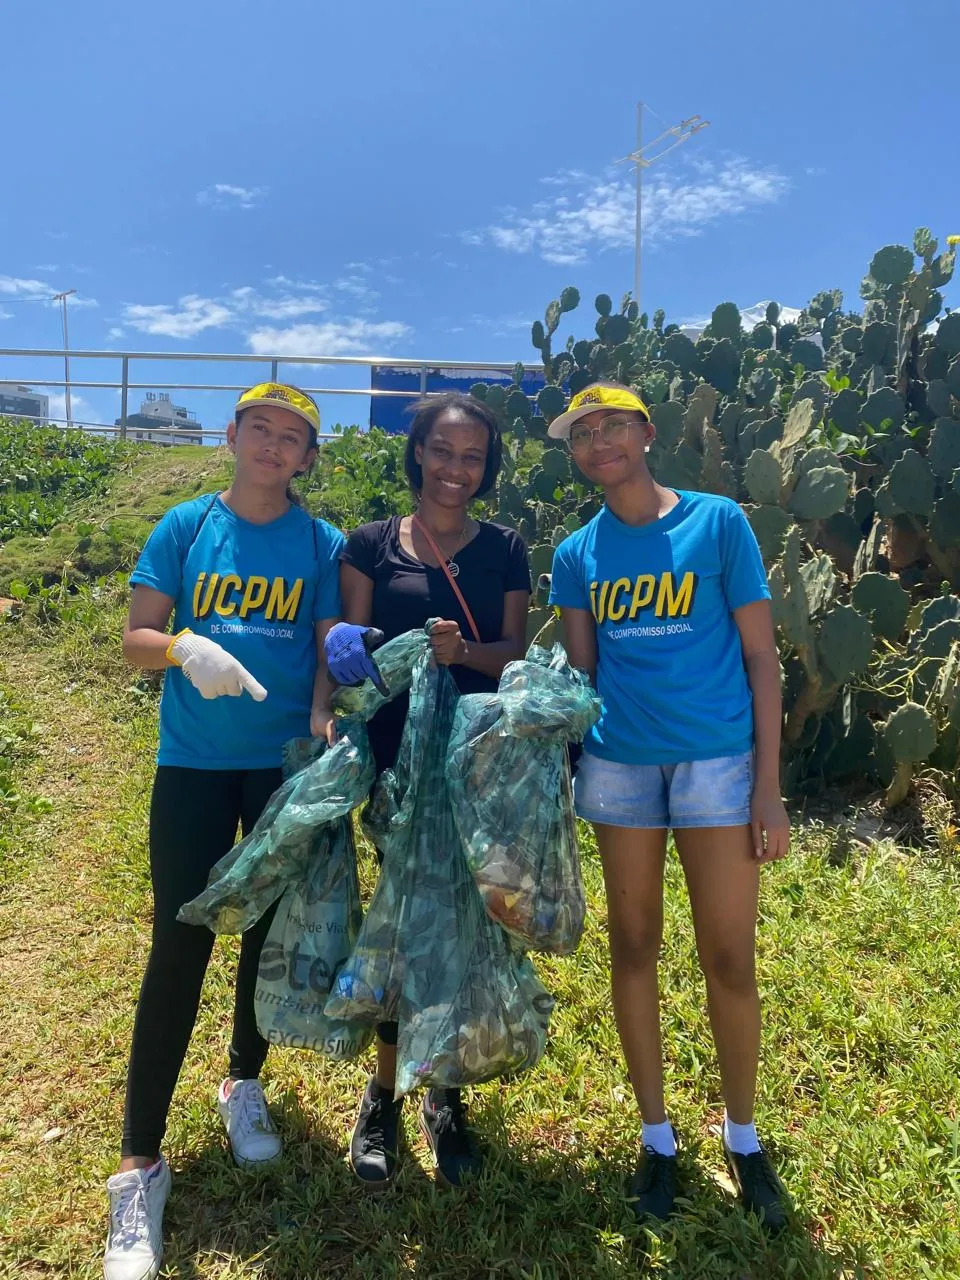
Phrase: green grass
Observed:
(859, 946)
(103, 534)
(100, 531)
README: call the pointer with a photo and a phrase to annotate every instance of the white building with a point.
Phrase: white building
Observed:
(162, 422)
(17, 401)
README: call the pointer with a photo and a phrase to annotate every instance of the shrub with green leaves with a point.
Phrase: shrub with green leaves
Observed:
(45, 471)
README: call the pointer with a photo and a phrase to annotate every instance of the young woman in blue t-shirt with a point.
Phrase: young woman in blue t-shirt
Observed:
(252, 583)
(665, 601)
(395, 578)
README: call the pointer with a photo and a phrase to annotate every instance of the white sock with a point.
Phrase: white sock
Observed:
(740, 1138)
(660, 1137)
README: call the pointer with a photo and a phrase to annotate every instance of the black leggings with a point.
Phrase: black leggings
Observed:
(194, 814)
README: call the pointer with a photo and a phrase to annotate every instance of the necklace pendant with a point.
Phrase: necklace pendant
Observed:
(454, 568)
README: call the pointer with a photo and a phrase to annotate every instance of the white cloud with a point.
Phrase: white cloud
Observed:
(285, 307)
(502, 326)
(599, 214)
(286, 282)
(289, 308)
(223, 195)
(80, 410)
(357, 288)
(248, 307)
(14, 287)
(347, 337)
(46, 267)
(5, 315)
(115, 333)
(564, 177)
(193, 317)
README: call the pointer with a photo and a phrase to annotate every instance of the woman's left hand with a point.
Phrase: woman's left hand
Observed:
(769, 824)
(449, 646)
(323, 724)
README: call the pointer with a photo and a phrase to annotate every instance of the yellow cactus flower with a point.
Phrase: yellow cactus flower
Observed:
(953, 240)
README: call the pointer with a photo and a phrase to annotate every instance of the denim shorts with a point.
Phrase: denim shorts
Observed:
(700, 793)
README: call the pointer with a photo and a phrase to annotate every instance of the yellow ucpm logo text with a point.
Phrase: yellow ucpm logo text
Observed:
(229, 595)
(620, 598)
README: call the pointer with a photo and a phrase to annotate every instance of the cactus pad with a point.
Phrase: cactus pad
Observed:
(892, 265)
(820, 492)
(947, 337)
(845, 642)
(725, 321)
(882, 599)
(762, 477)
(769, 525)
(551, 402)
(883, 406)
(910, 733)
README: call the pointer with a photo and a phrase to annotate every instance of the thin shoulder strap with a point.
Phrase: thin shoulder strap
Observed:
(441, 561)
(196, 532)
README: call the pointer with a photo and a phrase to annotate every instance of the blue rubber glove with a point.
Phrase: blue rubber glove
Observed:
(347, 648)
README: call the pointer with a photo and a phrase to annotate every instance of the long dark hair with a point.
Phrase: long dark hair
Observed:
(428, 410)
(292, 495)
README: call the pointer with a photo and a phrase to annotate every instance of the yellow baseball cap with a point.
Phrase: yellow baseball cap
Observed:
(598, 396)
(277, 393)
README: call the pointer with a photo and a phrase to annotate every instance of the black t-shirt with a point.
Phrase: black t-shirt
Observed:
(407, 593)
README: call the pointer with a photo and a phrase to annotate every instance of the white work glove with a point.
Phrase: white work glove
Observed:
(210, 669)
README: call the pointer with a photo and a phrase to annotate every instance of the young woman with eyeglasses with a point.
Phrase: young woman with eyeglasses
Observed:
(665, 602)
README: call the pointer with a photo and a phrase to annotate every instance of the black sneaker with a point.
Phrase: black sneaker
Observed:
(652, 1191)
(373, 1144)
(759, 1187)
(443, 1120)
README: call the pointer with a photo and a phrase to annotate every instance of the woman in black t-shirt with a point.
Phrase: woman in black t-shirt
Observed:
(392, 579)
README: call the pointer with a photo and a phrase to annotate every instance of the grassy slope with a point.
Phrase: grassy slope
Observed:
(139, 493)
(860, 974)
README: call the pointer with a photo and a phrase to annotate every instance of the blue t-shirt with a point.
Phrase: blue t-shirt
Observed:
(670, 667)
(257, 590)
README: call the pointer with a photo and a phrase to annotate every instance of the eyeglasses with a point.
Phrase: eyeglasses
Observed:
(612, 430)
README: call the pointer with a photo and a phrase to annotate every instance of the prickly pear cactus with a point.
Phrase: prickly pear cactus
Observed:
(839, 432)
(910, 735)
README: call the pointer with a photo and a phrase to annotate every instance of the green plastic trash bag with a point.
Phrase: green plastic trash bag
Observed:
(508, 773)
(294, 832)
(311, 935)
(469, 1005)
(396, 661)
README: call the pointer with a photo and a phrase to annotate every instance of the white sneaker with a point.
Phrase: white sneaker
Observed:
(135, 1240)
(253, 1135)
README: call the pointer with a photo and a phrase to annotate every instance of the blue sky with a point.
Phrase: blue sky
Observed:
(419, 180)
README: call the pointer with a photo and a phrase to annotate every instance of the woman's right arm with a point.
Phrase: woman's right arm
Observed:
(356, 591)
(207, 665)
(580, 633)
(145, 638)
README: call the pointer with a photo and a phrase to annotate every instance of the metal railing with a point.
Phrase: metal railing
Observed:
(124, 385)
